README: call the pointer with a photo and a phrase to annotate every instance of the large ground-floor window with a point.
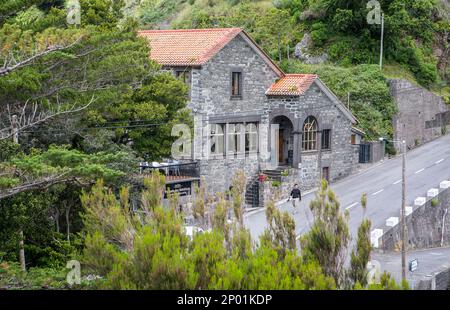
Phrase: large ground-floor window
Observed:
(234, 137)
(217, 139)
(251, 137)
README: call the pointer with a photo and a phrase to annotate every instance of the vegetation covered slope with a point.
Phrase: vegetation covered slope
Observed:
(416, 31)
(415, 47)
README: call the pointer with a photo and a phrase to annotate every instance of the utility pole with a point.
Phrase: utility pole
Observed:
(15, 136)
(288, 56)
(403, 207)
(382, 37)
(279, 46)
(348, 100)
(403, 211)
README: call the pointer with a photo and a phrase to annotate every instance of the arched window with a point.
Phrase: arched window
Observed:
(309, 137)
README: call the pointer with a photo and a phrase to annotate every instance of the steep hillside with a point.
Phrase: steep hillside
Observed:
(335, 36)
(416, 31)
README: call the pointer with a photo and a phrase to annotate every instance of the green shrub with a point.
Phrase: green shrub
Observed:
(12, 277)
(339, 51)
(319, 34)
(343, 19)
(434, 202)
(276, 183)
(390, 149)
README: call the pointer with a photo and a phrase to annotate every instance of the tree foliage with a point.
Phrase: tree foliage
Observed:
(413, 29)
(87, 98)
(329, 236)
(151, 251)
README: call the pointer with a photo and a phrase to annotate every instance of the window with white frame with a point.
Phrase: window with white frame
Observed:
(309, 136)
(234, 135)
(217, 139)
(251, 137)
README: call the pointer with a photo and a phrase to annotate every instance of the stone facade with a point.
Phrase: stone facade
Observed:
(212, 103)
(422, 116)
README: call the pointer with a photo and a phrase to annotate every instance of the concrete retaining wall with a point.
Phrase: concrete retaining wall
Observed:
(377, 151)
(424, 224)
(438, 281)
(422, 116)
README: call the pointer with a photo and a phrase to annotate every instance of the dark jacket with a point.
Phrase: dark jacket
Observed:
(295, 193)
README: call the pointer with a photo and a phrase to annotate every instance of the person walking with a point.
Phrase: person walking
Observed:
(296, 197)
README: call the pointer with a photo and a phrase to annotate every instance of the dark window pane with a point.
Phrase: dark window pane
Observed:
(326, 139)
(236, 84)
(185, 77)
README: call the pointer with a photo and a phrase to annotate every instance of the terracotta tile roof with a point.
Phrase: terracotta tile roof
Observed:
(187, 47)
(291, 85)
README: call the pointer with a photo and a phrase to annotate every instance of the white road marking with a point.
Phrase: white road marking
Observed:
(376, 193)
(396, 182)
(434, 253)
(419, 171)
(351, 206)
(439, 161)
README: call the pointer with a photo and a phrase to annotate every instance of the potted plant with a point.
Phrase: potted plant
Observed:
(262, 177)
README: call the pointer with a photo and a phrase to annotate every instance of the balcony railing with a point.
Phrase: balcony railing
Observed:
(173, 171)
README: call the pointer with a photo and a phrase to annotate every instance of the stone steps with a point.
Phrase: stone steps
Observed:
(275, 174)
(250, 198)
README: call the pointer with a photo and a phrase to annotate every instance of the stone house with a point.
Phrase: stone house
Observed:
(250, 115)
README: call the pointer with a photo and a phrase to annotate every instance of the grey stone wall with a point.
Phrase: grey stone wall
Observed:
(211, 100)
(421, 114)
(211, 96)
(424, 226)
(342, 156)
(310, 171)
(377, 150)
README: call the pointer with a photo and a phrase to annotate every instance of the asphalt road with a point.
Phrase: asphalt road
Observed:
(426, 167)
(429, 262)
